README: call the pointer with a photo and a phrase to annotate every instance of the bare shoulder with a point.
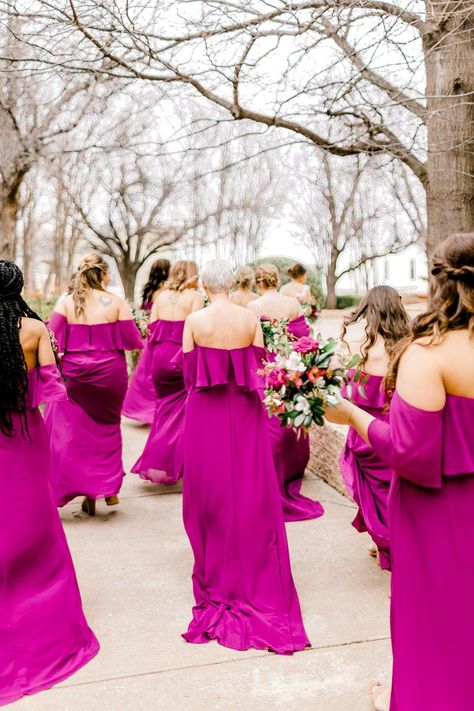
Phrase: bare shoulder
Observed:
(32, 328)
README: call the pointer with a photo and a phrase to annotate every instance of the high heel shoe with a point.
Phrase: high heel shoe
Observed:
(112, 500)
(88, 506)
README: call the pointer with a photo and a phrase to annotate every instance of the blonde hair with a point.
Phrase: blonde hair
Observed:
(244, 278)
(90, 275)
(183, 275)
(267, 275)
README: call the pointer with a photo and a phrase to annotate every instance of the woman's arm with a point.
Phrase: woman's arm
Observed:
(188, 336)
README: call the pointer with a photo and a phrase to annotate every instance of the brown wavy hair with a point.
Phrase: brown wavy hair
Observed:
(384, 315)
(450, 300)
(183, 275)
(267, 275)
(90, 275)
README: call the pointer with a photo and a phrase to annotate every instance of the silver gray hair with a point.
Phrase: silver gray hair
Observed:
(218, 276)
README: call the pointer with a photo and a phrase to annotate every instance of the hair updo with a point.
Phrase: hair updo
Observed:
(451, 297)
(218, 276)
(244, 278)
(297, 270)
(90, 275)
(13, 367)
(183, 275)
(267, 276)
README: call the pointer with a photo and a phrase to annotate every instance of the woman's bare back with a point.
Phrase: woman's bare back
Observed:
(222, 325)
(100, 307)
(276, 306)
(173, 305)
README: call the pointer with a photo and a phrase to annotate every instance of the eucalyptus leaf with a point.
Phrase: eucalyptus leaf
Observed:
(298, 421)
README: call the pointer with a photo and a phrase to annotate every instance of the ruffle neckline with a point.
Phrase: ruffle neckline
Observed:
(81, 337)
(210, 367)
(170, 331)
(44, 385)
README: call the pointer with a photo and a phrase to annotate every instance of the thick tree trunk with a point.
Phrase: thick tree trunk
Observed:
(331, 280)
(449, 51)
(128, 273)
(8, 215)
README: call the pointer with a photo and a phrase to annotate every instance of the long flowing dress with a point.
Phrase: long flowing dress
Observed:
(243, 588)
(140, 400)
(86, 438)
(367, 477)
(162, 458)
(431, 518)
(291, 456)
(44, 637)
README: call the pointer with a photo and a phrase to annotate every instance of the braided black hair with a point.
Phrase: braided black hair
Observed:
(159, 273)
(13, 368)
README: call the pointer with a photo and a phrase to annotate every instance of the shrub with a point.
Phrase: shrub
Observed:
(42, 305)
(347, 300)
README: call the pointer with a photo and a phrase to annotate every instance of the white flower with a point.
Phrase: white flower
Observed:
(295, 363)
(302, 405)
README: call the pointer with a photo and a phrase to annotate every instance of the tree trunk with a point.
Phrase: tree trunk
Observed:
(449, 52)
(331, 280)
(8, 215)
(128, 274)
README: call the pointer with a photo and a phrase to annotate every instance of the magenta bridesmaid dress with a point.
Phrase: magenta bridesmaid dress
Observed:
(44, 637)
(86, 439)
(366, 476)
(291, 456)
(431, 507)
(140, 400)
(162, 458)
(243, 588)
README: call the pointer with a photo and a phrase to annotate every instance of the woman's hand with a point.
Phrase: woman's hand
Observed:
(339, 414)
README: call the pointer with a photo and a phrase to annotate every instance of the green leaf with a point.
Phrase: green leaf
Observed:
(308, 420)
(363, 391)
(319, 420)
(357, 376)
(349, 391)
(298, 421)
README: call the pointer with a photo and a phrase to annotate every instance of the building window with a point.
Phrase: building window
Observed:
(386, 270)
(412, 267)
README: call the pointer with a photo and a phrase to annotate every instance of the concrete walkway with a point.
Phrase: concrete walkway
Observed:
(134, 566)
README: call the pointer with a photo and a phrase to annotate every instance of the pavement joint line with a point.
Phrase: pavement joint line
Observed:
(239, 660)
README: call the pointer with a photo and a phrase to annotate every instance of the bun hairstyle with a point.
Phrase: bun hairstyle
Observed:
(267, 276)
(384, 316)
(244, 278)
(159, 274)
(183, 275)
(90, 275)
(13, 368)
(450, 301)
(297, 270)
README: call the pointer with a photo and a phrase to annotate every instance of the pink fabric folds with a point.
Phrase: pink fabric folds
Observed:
(44, 637)
(86, 439)
(366, 476)
(432, 530)
(162, 458)
(291, 456)
(244, 592)
(140, 400)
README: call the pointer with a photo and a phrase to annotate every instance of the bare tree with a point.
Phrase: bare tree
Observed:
(345, 222)
(380, 77)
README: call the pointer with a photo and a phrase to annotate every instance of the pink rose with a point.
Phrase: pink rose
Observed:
(263, 317)
(306, 345)
(276, 378)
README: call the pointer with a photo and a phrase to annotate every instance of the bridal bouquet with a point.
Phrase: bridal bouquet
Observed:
(300, 384)
(276, 335)
(141, 319)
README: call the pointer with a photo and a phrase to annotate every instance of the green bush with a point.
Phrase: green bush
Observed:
(348, 300)
(42, 305)
(283, 263)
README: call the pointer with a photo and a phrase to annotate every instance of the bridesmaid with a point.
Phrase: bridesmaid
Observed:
(162, 458)
(93, 328)
(430, 444)
(298, 288)
(366, 475)
(244, 592)
(44, 636)
(243, 288)
(290, 452)
(140, 401)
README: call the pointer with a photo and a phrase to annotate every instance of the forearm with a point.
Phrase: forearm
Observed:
(360, 421)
